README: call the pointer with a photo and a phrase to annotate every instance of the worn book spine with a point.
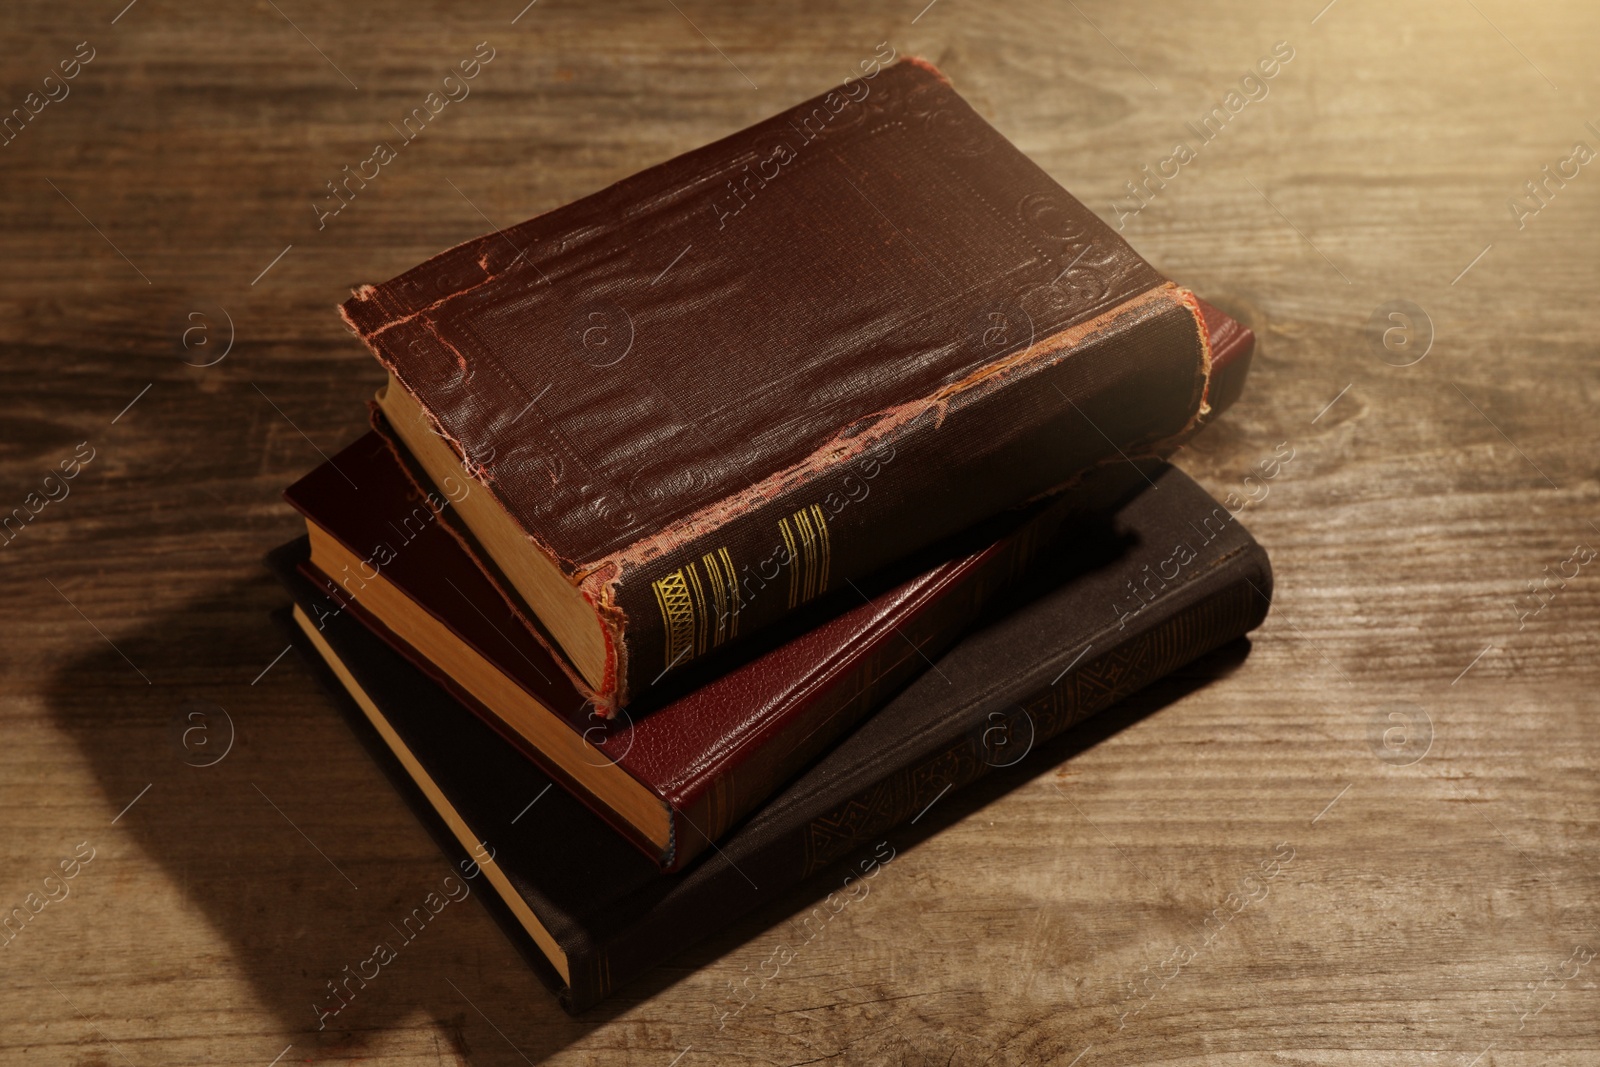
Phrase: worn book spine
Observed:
(910, 479)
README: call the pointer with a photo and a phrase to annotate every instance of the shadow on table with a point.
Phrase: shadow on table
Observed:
(289, 842)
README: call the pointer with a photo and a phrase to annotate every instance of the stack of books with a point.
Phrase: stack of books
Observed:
(716, 523)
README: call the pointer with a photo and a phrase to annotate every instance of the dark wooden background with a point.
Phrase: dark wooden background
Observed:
(1443, 881)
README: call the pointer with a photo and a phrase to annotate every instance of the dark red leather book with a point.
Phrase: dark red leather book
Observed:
(591, 913)
(677, 778)
(712, 393)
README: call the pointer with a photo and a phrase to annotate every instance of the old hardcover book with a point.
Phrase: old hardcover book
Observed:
(1172, 577)
(705, 396)
(673, 780)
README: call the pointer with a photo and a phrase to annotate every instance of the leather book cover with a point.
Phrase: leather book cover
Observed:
(709, 757)
(1172, 576)
(739, 379)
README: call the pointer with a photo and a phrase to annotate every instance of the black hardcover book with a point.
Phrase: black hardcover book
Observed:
(1170, 576)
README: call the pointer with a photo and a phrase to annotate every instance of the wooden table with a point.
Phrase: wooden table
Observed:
(1405, 725)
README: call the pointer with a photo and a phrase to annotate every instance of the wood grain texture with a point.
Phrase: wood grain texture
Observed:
(1061, 912)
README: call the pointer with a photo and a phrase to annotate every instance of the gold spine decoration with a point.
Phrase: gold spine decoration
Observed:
(702, 620)
(810, 553)
(793, 562)
(815, 524)
(724, 595)
(677, 605)
(692, 624)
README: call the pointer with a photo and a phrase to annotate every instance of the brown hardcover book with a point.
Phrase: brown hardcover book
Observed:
(706, 396)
